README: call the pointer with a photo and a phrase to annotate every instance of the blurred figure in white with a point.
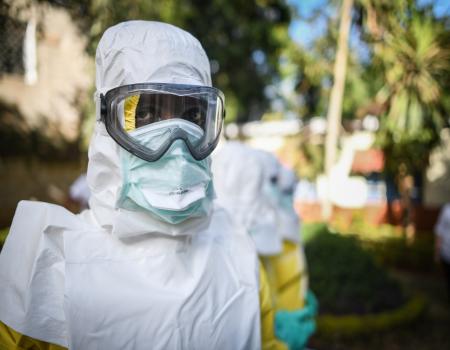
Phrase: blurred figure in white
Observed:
(442, 246)
(247, 184)
(239, 180)
(287, 272)
(279, 186)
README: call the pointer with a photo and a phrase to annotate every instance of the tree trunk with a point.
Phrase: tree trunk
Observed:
(335, 106)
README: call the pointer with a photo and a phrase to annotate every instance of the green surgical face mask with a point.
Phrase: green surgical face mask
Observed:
(174, 188)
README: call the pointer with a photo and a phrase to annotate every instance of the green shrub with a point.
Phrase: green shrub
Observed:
(398, 252)
(346, 278)
(3, 234)
(311, 230)
(390, 246)
(351, 325)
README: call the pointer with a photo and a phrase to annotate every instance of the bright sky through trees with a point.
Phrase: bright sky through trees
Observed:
(305, 32)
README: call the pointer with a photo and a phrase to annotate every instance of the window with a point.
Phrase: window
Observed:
(12, 34)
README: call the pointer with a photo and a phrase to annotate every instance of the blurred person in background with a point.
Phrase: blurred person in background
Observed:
(289, 227)
(241, 178)
(287, 272)
(239, 182)
(153, 263)
(442, 246)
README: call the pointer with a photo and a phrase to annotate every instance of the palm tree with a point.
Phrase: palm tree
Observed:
(337, 94)
(411, 48)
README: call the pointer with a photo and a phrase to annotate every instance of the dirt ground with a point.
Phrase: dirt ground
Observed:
(432, 331)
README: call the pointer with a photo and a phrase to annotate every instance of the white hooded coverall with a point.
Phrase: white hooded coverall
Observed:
(116, 279)
(243, 177)
(239, 178)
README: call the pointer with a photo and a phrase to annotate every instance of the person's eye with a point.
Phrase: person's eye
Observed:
(193, 115)
(145, 117)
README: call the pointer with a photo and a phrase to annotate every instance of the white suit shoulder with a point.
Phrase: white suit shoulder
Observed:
(236, 240)
(32, 271)
(223, 226)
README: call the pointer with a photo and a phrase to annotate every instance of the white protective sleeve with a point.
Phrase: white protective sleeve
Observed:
(32, 271)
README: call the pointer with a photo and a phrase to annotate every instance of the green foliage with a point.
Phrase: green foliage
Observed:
(352, 325)
(312, 161)
(389, 245)
(415, 60)
(361, 84)
(403, 78)
(309, 231)
(232, 33)
(305, 156)
(312, 69)
(3, 233)
(346, 278)
(398, 252)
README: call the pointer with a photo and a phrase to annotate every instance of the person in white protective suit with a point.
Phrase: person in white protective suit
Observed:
(153, 264)
(239, 178)
(247, 181)
(287, 272)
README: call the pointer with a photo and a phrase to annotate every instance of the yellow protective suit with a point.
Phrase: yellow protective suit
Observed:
(287, 275)
(12, 340)
(268, 341)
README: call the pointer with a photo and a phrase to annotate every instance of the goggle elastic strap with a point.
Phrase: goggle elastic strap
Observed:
(103, 108)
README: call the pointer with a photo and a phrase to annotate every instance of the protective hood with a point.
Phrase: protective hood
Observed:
(239, 178)
(128, 53)
(271, 169)
(270, 164)
(290, 221)
(278, 189)
(287, 181)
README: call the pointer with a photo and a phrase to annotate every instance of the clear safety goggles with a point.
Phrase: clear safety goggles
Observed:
(129, 109)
